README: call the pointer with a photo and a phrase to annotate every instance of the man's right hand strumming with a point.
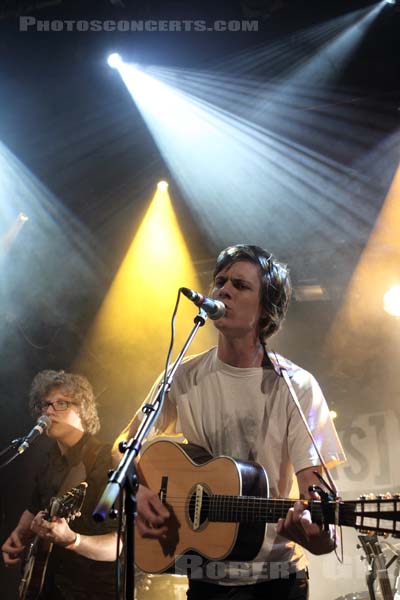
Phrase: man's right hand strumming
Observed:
(152, 514)
(16, 541)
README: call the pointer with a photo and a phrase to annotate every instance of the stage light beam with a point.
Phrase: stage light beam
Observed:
(391, 301)
(10, 236)
(131, 332)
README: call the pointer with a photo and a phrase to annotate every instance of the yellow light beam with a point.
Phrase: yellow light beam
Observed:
(127, 345)
(377, 271)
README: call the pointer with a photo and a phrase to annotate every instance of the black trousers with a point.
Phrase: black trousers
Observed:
(290, 588)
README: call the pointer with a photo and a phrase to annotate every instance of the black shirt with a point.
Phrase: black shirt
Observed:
(70, 576)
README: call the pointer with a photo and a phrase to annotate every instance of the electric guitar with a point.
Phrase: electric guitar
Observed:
(68, 507)
(219, 507)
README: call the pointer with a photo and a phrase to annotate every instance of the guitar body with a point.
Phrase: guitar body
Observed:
(176, 471)
(34, 569)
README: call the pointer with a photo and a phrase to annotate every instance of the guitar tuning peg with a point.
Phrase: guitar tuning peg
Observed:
(371, 497)
(386, 496)
(362, 497)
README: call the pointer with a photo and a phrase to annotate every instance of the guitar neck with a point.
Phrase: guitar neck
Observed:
(386, 588)
(382, 574)
(379, 514)
(242, 509)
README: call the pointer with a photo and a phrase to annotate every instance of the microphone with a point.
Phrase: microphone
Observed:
(41, 426)
(214, 308)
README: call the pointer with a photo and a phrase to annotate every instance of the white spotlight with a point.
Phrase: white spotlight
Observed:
(22, 218)
(162, 186)
(114, 60)
(391, 301)
(390, 1)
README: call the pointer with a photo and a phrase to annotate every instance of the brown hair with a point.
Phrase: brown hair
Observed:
(276, 288)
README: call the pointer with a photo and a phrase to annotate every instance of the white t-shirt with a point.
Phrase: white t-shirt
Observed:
(247, 413)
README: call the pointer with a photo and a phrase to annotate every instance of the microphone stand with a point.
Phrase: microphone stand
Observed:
(125, 477)
(11, 446)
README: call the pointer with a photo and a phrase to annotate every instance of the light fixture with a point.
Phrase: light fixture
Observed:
(391, 301)
(162, 186)
(114, 60)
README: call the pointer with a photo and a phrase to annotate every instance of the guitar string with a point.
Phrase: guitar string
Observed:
(222, 506)
(285, 503)
(288, 503)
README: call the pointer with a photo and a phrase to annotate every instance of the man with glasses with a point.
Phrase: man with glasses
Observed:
(81, 563)
(231, 401)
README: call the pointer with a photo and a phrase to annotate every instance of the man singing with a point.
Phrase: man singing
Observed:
(231, 401)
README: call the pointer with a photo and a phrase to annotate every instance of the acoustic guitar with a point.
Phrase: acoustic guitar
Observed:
(34, 569)
(219, 507)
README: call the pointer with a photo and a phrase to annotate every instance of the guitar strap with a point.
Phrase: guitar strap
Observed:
(282, 370)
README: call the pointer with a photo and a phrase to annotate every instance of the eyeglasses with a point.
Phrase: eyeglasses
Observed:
(57, 405)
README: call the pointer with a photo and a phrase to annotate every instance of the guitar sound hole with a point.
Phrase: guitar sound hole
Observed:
(204, 511)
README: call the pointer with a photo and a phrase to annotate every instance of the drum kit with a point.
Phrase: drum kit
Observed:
(160, 587)
(356, 596)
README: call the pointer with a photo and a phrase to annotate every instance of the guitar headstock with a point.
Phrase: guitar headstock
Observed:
(375, 514)
(69, 505)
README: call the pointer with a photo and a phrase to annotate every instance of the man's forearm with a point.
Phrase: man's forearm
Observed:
(96, 547)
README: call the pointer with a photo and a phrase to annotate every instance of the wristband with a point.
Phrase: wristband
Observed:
(75, 543)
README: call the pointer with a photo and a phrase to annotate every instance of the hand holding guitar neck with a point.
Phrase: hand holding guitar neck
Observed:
(55, 531)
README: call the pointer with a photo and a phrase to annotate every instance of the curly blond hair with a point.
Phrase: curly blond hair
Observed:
(76, 387)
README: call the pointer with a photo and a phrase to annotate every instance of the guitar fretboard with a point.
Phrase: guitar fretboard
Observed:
(253, 509)
(380, 515)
